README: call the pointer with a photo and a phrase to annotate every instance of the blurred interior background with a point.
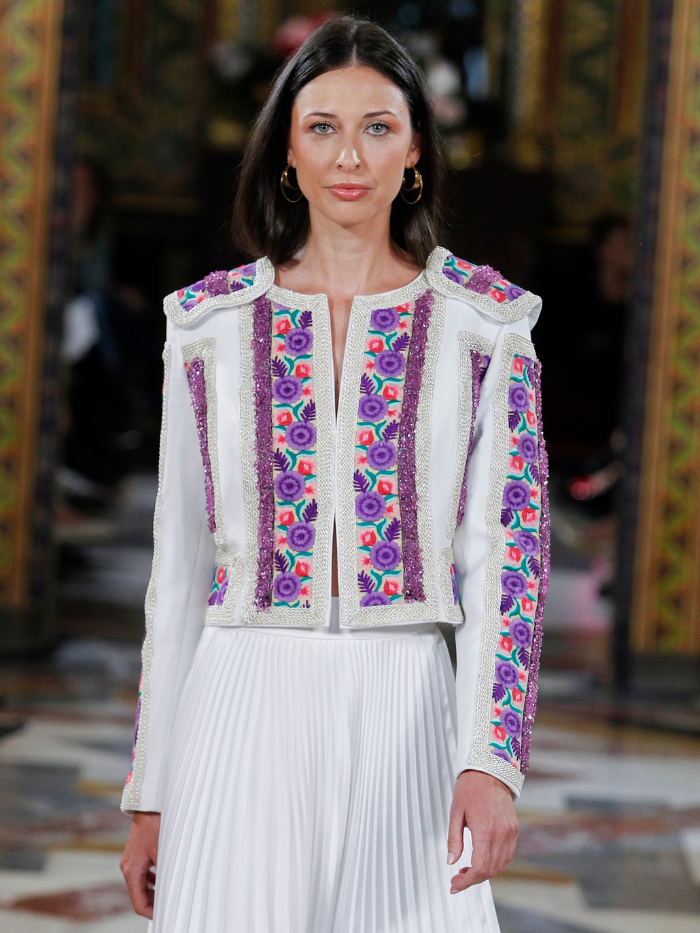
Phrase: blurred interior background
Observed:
(572, 128)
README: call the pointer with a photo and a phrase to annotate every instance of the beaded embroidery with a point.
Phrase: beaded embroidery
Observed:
(216, 283)
(383, 489)
(514, 566)
(134, 779)
(474, 356)
(219, 289)
(225, 587)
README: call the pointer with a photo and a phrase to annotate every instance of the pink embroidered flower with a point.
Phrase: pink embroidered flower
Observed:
(302, 370)
(306, 466)
(221, 575)
(518, 365)
(517, 695)
(497, 295)
(280, 439)
(404, 308)
(281, 539)
(302, 568)
(391, 587)
(389, 509)
(368, 538)
(516, 463)
(280, 348)
(366, 562)
(311, 489)
(527, 604)
(307, 390)
(505, 643)
(365, 437)
(528, 516)
(514, 555)
(500, 733)
(385, 487)
(304, 591)
(391, 393)
(375, 345)
(530, 418)
(284, 325)
(403, 323)
(285, 417)
(287, 516)
(362, 460)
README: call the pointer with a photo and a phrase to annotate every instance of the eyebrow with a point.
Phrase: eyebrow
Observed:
(332, 116)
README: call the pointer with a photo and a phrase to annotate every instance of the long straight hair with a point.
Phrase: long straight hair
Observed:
(264, 222)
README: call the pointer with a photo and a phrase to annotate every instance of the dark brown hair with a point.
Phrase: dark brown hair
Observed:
(264, 223)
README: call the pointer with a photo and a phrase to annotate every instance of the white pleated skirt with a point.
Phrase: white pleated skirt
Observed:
(309, 785)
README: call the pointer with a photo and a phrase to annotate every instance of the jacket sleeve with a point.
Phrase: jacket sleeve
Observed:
(183, 559)
(502, 564)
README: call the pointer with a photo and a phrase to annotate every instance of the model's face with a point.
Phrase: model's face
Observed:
(350, 143)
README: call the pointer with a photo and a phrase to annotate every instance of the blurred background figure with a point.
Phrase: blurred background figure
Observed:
(571, 133)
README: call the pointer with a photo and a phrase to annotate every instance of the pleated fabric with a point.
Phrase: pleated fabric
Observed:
(309, 786)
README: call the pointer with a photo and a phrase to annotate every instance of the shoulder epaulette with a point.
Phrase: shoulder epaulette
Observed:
(219, 289)
(481, 286)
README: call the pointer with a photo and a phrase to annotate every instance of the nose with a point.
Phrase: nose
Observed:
(348, 159)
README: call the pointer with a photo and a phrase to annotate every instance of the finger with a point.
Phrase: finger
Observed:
(137, 888)
(478, 872)
(466, 878)
(455, 836)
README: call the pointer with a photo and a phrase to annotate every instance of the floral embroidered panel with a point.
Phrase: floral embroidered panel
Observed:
(521, 573)
(216, 283)
(389, 559)
(484, 280)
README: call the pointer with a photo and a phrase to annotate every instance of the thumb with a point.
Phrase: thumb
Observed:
(455, 836)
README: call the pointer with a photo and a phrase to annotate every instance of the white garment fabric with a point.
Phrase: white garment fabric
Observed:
(309, 787)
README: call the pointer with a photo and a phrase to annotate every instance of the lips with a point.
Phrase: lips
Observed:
(348, 192)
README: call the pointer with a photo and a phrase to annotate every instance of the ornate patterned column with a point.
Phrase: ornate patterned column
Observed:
(30, 45)
(666, 594)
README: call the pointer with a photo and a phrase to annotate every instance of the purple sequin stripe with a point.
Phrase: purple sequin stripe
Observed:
(478, 370)
(406, 456)
(482, 279)
(195, 377)
(531, 694)
(262, 388)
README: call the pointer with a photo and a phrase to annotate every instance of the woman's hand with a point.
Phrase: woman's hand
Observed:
(484, 804)
(139, 860)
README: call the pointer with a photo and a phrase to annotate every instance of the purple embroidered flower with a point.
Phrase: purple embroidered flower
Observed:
(381, 455)
(248, 270)
(300, 536)
(216, 283)
(501, 753)
(287, 389)
(384, 319)
(514, 583)
(526, 541)
(373, 408)
(513, 292)
(518, 397)
(298, 341)
(520, 633)
(374, 599)
(385, 555)
(452, 275)
(516, 495)
(483, 279)
(506, 674)
(290, 486)
(390, 363)
(370, 506)
(527, 448)
(301, 435)
(511, 722)
(287, 587)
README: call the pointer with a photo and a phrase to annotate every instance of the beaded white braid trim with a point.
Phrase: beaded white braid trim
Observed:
(264, 277)
(131, 798)
(507, 313)
(205, 350)
(351, 613)
(479, 755)
(324, 394)
(453, 610)
(226, 614)
(466, 342)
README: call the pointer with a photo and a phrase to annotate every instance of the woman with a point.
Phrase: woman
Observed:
(299, 727)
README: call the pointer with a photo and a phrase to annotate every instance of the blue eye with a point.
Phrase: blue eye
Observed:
(378, 129)
(322, 128)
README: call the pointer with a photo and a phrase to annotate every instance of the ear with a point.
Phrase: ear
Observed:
(414, 153)
(290, 157)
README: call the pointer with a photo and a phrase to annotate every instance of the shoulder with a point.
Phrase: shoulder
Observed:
(480, 286)
(220, 289)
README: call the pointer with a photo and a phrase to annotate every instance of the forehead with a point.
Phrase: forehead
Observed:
(354, 90)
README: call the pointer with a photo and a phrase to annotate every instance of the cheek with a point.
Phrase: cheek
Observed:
(312, 159)
(386, 163)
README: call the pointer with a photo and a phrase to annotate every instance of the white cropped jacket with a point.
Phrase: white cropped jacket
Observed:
(434, 471)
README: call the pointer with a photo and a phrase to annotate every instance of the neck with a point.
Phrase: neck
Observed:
(349, 261)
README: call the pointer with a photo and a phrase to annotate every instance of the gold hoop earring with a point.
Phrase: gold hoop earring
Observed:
(285, 183)
(416, 186)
